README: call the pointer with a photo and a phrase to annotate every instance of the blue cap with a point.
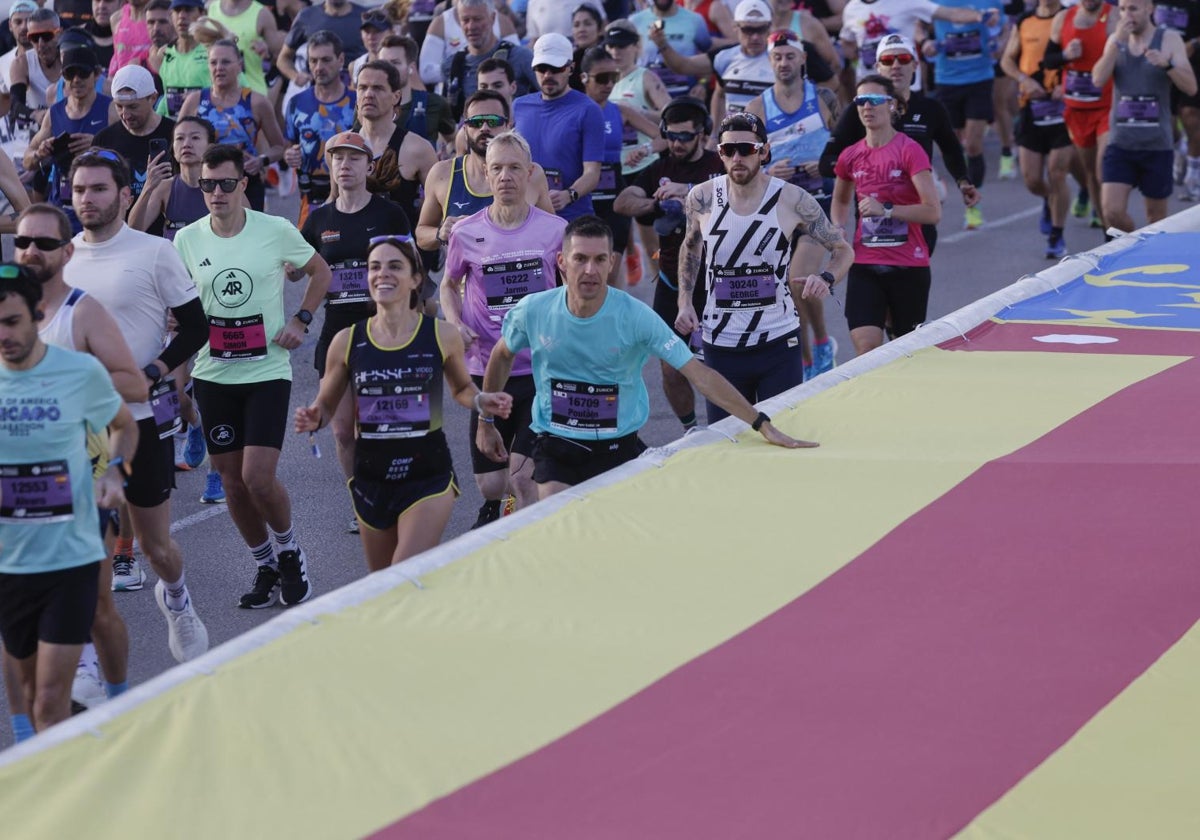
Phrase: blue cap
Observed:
(187, 4)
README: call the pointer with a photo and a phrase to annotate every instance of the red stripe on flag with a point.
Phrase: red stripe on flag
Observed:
(1129, 341)
(914, 687)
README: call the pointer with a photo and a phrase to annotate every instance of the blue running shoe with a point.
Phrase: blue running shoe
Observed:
(807, 373)
(824, 356)
(1045, 225)
(194, 452)
(214, 492)
(1056, 246)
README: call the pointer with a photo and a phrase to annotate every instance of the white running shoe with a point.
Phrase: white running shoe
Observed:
(87, 690)
(187, 637)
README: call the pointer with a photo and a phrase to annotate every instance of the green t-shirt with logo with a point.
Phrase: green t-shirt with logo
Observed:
(241, 280)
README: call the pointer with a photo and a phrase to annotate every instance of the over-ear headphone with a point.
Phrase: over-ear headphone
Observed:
(689, 103)
(38, 315)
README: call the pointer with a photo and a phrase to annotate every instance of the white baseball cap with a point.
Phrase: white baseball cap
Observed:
(553, 49)
(132, 82)
(752, 11)
(894, 44)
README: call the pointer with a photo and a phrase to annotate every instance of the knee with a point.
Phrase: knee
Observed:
(258, 484)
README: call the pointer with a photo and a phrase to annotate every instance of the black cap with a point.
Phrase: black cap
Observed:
(74, 38)
(744, 121)
(621, 34)
(694, 108)
(79, 57)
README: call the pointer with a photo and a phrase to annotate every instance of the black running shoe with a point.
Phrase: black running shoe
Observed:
(488, 512)
(293, 578)
(265, 590)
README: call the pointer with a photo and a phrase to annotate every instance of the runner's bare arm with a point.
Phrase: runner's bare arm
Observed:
(718, 390)
(333, 385)
(817, 225)
(430, 219)
(696, 208)
(102, 338)
(454, 367)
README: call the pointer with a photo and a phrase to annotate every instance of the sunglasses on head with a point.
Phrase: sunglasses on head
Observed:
(227, 185)
(546, 69)
(389, 237)
(8, 271)
(744, 149)
(682, 136)
(875, 99)
(782, 36)
(376, 19)
(103, 154)
(899, 58)
(488, 120)
(609, 78)
(43, 243)
(39, 37)
(73, 73)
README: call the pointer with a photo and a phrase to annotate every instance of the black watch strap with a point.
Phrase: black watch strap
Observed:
(152, 372)
(829, 279)
(759, 420)
(305, 317)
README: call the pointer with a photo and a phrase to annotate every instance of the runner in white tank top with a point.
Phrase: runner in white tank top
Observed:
(748, 223)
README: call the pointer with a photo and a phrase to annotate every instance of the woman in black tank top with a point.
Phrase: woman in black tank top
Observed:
(403, 488)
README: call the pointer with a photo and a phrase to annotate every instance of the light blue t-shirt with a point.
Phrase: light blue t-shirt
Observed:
(687, 33)
(562, 134)
(48, 518)
(588, 371)
(964, 53)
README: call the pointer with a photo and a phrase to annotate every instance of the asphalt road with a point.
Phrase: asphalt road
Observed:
(967, 266)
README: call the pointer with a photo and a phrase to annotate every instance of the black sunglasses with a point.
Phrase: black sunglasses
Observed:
(744, 149)
(545, 69)
(682, 136)
(489, 120)
(609, 78)
(43, 243)
(38, 37)
(73, 73)
(210, 185)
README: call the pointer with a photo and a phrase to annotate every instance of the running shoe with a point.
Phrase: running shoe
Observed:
(807, 373)
(214, 492)
(264, 592)
(194, 451)
(352, 528)
(489, 511)
(633, 265)
(1045, 224)
(824, 356)
(509, 507)
(87, 690)
(293, 578)
(187, 636)
(973, 219)
(1056, 246)
(127, 573)
(181, 464)
(1008, 168)
(1083, 204)
(1190, 190)
(1096, 223)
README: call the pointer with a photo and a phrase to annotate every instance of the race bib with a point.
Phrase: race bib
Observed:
(606, 187)
(1080, 87)
(1171, 17)
(554, 180)
(1137, 111)
(505, 283)
(583, 405)
(1046, 111)
(958, 46)
(422, 8)
(744, 287)
(237, 339)
(164, 403)
(391, 410)
(349, 283)
(671, 80)
(35, 493)
(878, 232)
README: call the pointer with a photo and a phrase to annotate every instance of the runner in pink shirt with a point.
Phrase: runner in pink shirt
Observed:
(893, 180)
(494, 259)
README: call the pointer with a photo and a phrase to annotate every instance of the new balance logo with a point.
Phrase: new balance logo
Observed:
(206, 262)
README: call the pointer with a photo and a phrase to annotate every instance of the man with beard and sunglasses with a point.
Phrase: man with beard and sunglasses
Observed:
(656, 197)
(35, 69)
(74, 320)
(746, 223)
(139, 278)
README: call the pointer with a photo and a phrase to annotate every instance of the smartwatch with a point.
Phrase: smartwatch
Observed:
(152, 373)
(759, 420)
(304, 317)
(829, 279)
(574, 195)
(888, 207)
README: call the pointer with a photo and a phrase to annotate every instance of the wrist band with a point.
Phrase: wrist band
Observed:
(759, 420)
(475, 402)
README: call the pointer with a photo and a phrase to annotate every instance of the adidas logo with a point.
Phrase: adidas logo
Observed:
(205, 262)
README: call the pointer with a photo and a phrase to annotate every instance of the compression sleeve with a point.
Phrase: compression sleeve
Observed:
(190, 335)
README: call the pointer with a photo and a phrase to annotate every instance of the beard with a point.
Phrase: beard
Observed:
(104, 216)
(42, 272)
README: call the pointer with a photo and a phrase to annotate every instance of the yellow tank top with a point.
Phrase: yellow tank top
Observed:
(245, 27)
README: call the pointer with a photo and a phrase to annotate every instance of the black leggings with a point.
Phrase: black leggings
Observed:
(875, 290)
